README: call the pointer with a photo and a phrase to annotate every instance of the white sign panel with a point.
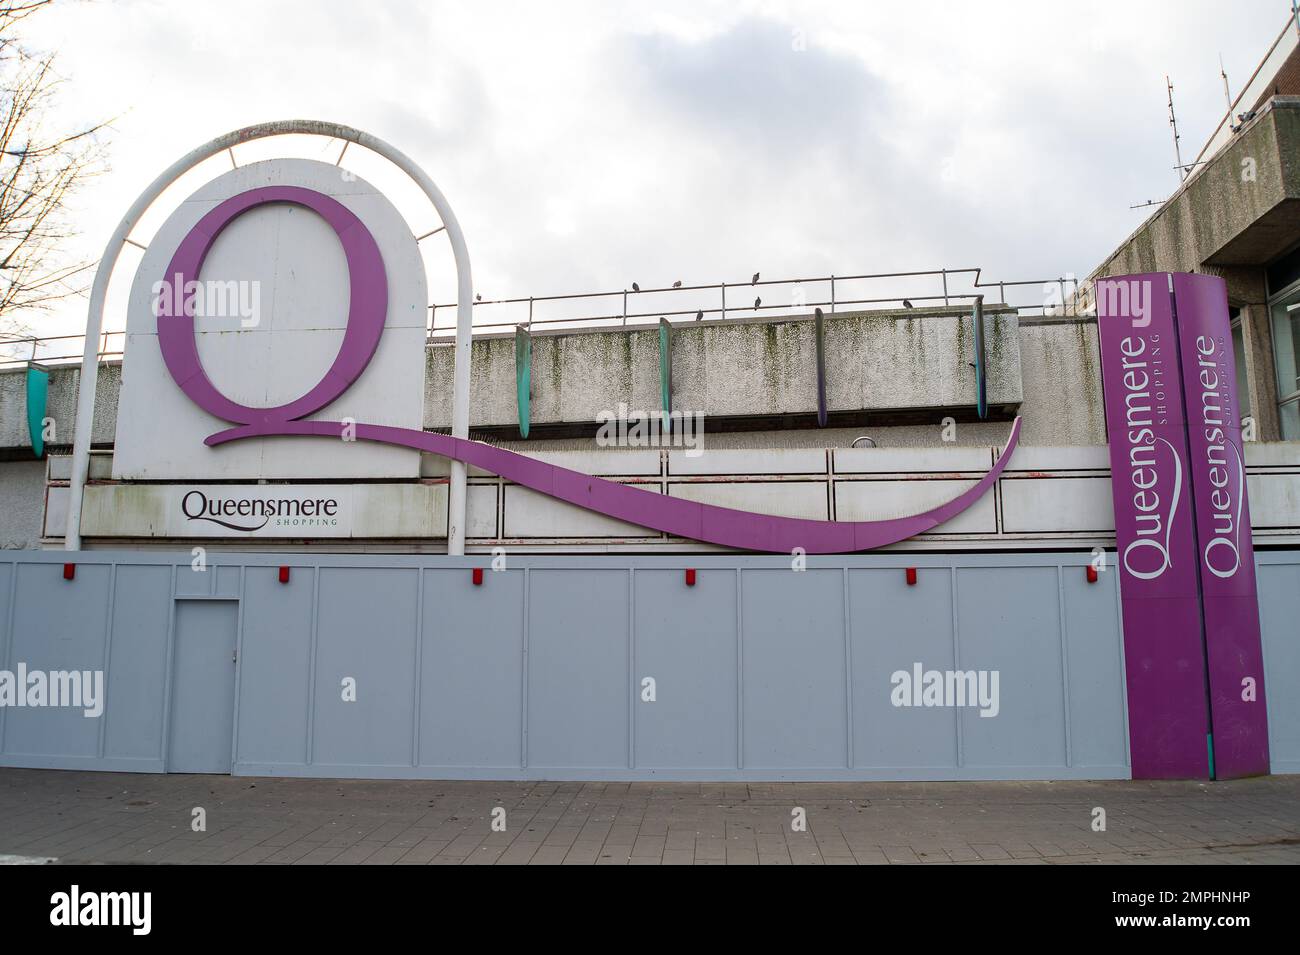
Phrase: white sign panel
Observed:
(270, 308)
(265, 510)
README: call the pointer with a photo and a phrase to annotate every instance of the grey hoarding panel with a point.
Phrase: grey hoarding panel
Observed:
(365, 633)
(57, 626)
(275, 669)
(792, 670)
(1008, 622)
(685, 641)
(1094, 664)
(760, 672)
(578, 681)
(137, 662)
(471, 667)
(895, 626)
(1278, 575)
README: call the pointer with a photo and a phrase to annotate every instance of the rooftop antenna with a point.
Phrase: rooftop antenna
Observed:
(1173, 121)
(1227, 96)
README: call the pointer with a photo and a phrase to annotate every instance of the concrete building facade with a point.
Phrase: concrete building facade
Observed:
(856, 537)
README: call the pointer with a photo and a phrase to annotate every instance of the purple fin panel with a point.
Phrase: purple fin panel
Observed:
(1225, 553)
(1164, 656)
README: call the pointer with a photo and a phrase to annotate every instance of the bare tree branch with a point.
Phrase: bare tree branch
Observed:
(41, 167)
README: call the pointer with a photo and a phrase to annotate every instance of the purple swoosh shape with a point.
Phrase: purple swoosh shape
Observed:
(744, 530)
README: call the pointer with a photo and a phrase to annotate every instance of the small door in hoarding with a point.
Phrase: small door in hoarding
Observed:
(203, 687)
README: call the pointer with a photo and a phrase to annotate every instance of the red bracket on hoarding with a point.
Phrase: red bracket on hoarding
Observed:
(478, 576)
(690, 576)
(284, 575)
(1092, 574)
(69, 571)
(911, 576)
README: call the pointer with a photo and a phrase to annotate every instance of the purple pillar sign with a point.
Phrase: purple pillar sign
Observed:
(1164, 654)
(1187, 576)
(1225, 554)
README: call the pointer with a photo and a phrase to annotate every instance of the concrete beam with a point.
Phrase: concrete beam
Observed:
(1242, 208)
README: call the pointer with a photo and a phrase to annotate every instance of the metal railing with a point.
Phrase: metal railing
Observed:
(724, 301)
(1254, 89)
(946, 287)
(18, 350)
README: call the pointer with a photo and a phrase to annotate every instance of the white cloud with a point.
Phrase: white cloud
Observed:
(588, 145)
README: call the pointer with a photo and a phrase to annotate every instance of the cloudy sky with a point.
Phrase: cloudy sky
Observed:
(588, 145)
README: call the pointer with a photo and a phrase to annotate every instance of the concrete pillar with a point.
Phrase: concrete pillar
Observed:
(1261, 376)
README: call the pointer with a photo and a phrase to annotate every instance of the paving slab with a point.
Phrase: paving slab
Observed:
(58, 816)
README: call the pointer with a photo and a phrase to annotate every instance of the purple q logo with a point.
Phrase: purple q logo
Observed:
(366, 314)
(366, 311)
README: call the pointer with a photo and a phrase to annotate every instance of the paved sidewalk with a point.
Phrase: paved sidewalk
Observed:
(129, 818)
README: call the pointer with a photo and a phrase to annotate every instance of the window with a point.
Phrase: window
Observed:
(1286, 356)
(1239, 351)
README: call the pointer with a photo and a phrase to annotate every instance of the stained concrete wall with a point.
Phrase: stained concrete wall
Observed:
(1054, 377)
(22, 503)
(61, 405)
(874, 361)
(1062, 372)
